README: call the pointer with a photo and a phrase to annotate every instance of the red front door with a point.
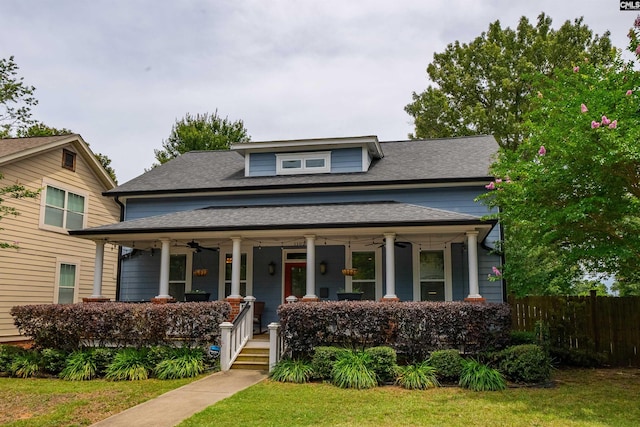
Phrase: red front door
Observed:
(295, 279)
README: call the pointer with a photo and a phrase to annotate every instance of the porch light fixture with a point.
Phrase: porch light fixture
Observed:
(271, 268)
(323, 267)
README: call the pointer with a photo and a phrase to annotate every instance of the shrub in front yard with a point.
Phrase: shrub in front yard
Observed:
(523, 337)
(129, 364)
(383, 363)
(526, 363)
(576, 357)
(53, 360)
(7, 354)
(181, 363)
(418, 376)
(448, 365)
(354, 369)
(71, 326)
(292, 371)
(323, 359)
(413, 329)
(479, 377)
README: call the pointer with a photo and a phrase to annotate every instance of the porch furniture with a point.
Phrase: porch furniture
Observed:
(258, 309)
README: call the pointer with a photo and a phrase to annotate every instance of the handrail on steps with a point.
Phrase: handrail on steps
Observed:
(234, 336)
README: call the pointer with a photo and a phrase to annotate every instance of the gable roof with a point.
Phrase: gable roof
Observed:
(463, 159)
(15, 149)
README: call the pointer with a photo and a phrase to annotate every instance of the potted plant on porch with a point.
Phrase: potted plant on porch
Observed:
(354, 295)
(196, 295)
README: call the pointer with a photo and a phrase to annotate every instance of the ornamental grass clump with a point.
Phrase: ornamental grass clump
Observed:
(128, 364)
(479, 377)
(80, 366)
(419, 376)
(354, 369)
(26, 364)
(297, 371)
(182, 363)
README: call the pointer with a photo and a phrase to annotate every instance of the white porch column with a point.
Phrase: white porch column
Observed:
(390, 266)
(311, 269)
(165, 258)
(236, 266)
(472, 248)
(97, 272)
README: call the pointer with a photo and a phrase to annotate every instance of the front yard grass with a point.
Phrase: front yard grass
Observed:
(53, 402)
(599, 397)
(579, 398)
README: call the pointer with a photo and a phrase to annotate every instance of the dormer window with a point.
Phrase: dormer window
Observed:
(300, 163)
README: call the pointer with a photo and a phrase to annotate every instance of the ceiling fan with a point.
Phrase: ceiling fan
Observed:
(195, 245)
(396, 243)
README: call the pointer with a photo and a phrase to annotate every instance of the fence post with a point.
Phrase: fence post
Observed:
(594, 321)
(225, 345)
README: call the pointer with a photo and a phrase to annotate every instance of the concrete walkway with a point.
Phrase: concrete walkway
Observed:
(169, 409)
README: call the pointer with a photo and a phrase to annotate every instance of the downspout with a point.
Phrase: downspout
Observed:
(119, 273)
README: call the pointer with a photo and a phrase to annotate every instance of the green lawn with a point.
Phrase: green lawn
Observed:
(579, 398)
(603, 397)
(53, 402)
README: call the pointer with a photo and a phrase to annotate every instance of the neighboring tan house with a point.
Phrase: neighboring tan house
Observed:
(309, 218)
(50, 266)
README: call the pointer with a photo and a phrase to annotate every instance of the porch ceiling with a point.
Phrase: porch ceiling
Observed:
(290, 220)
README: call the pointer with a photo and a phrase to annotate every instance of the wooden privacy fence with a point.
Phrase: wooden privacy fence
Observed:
(609, 326)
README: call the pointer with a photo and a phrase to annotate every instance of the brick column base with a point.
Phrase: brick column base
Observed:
(396, 299)
(235, 307)
(163, 300)
(100, 299)
(305, 299)
(475, 300)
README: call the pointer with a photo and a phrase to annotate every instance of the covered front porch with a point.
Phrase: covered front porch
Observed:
(312, 253)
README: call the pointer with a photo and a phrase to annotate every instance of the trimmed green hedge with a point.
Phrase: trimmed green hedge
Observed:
(413, 329)
(70, 327)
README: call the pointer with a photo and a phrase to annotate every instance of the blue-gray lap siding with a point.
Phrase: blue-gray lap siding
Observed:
(458, 199)
(342, 160)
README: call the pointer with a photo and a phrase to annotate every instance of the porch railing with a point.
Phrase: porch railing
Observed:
(234, 336)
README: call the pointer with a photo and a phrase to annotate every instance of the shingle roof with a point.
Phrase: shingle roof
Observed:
(10, 146)
(333, 215)
(437, 160)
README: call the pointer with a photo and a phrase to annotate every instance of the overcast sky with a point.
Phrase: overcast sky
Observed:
(121, 72)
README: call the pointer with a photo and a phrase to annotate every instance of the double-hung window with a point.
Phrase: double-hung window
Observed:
(63, 209)
(365, 279)
(66, 290)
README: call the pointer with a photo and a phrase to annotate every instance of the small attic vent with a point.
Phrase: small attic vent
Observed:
(69, 160)
(299, 163)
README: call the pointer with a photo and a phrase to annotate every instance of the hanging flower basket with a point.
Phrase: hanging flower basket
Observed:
(349, 271)
(200, 272)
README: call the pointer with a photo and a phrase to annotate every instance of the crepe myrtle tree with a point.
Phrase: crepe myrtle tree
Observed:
(569, 195)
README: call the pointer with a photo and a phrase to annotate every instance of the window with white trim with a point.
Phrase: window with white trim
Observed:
(432, 276)
(365, 279)
(66, 283)
(302, 163)
(63, 209)
(177, 276)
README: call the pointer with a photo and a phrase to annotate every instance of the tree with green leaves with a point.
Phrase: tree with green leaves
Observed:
(16, 98)
(484, 87)
(15, 191)
(201, 132)
(572, 188)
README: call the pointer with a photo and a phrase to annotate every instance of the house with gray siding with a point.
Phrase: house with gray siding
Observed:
(310, 219)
